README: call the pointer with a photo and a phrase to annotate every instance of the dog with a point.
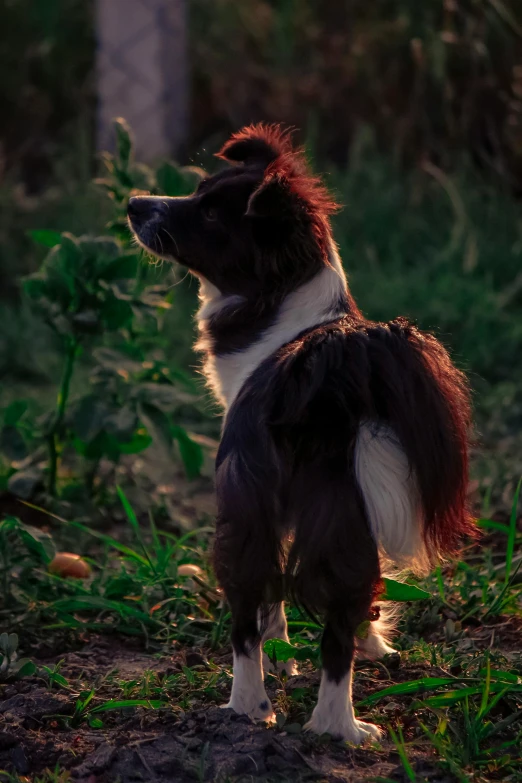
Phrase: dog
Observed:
(344, 443)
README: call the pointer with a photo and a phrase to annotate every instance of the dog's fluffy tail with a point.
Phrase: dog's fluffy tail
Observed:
(413, 470)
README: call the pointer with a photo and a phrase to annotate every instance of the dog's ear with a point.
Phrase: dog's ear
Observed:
(248, 150)
(257, 144)
(272, 199)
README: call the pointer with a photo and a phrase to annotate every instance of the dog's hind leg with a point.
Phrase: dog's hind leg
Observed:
(336, 571)
(248, 695)
(334, 713)
(277, 628)
(376, 645)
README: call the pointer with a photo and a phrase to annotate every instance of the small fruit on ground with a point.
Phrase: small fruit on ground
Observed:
(68, 564)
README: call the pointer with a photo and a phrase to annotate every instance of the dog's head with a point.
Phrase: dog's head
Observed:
(260, 226)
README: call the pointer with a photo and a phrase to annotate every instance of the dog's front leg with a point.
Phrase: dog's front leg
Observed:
(248, 695)
(244, 585)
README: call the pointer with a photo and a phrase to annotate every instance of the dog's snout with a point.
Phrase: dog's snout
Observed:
(142, 208)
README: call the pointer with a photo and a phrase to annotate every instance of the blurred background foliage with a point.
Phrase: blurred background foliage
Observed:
(413, 109)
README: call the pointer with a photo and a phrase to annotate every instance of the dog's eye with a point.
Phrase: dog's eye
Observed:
(210, 213)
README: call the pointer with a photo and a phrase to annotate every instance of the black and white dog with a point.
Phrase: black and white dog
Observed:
(344, 442)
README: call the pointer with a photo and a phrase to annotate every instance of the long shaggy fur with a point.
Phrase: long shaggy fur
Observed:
(345, 442)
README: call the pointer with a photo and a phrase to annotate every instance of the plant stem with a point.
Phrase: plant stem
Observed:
(63, 396)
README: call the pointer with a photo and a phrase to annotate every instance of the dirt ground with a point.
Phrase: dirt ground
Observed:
(203, 744)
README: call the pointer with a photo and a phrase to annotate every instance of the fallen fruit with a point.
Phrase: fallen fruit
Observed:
(68, 564)
(188, 569)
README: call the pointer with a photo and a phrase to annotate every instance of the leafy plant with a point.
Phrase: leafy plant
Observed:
(11, 666)
(93, 294)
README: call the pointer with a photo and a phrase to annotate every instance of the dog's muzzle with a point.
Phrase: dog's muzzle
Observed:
(143, 209)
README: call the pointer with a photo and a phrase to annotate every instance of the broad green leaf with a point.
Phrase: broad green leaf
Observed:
(70, 254)
(14, 412)
(120, 586)
(138, 443)
(401, 591)
(23, 668)
(103, 445)
(35, 286)
(121, 268)
(116, 313)
(283, 651)
(46, 237)
(278, 648)
(191, 452)
(172, 181)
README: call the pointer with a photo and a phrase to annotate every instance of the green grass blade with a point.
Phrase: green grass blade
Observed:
(440, 584)
(401, 750)
(408, 688)
(131, 516)
(112, 542)
(498, 603)
(499, 675)
(113, 704)
(461, 694)
(490, 524)
(93, 602)
(510, 549)
(485, 693)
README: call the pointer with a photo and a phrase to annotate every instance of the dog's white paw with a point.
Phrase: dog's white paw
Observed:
(288, 667)
(259, 709)
(347, 729)
(373, 647)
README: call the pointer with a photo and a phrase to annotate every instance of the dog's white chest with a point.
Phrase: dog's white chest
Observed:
(315, 302)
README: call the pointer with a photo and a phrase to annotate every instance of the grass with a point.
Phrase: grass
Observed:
(457, 694)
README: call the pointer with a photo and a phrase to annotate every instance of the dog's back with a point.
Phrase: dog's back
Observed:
(350, 429)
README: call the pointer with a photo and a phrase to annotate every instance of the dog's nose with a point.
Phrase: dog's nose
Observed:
(139, 209)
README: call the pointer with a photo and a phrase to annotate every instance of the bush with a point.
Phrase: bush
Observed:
(92, 293)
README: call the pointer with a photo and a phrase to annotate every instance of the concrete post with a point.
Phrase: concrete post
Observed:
(143, 73)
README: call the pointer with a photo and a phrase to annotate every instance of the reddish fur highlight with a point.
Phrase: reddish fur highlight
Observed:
(448, 518)
(272, 146)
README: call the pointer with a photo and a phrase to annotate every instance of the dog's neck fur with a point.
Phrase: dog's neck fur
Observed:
(321, 299)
